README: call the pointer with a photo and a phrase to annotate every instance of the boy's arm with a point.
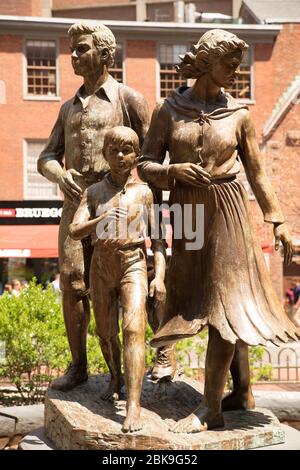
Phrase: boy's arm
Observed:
(158, 245)
(81, 225)
(83, 222)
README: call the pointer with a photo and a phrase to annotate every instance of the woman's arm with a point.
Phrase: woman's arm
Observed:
(254, 165)
(154, 149)
(150, 167)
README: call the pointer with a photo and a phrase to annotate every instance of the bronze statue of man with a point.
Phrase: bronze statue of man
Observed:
(99, 104)
(225, 284)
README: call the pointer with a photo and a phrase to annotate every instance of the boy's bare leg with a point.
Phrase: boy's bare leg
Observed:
(106, 310)
(134, 364)
(241, 397)
(209, 414)
(133, 298)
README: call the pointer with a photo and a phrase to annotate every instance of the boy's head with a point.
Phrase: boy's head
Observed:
(121, 148)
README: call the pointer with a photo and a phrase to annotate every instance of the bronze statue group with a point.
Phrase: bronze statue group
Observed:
(100, 135)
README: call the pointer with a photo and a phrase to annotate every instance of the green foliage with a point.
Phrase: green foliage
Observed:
(32, 328)
(265, 373)
(36, 346)
(258, 371)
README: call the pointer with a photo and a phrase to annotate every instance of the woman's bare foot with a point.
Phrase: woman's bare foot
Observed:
(133, 420)
(113, 391)
(238, 401)
(200, 420)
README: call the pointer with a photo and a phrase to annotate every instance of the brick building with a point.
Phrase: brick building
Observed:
(36, 78)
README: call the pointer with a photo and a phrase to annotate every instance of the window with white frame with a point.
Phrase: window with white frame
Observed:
(41, 68)
(117, 69)
(242, 88)
(36, 185)
(168, 58)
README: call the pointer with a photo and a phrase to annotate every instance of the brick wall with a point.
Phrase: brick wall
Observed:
(214, 6)
(60, 4)
(25, 119)
(141, 68)
(21, 7)
(120, 13)
(156, 11)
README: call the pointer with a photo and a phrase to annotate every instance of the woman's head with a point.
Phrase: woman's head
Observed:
(218, 53)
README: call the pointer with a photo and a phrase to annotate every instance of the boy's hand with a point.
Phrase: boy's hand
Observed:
(157, 290)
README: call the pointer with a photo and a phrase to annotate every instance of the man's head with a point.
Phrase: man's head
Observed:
(121, 149)
(93, 47)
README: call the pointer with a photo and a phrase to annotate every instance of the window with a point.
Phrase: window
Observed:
(117, 69)
(36, 185)
(168, 58)
(242, 87)
(41, 68)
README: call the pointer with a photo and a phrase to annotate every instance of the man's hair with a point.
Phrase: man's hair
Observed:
(122, 135)
(102, 37)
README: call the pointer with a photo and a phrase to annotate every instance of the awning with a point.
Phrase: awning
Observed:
(41, 241)
(29, 241)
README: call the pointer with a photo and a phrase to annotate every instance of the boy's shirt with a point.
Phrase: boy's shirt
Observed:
(136, 197)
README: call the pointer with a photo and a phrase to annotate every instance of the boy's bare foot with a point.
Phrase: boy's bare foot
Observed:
(238, 401)
(200, 420)
(133, 420)
(113, 391)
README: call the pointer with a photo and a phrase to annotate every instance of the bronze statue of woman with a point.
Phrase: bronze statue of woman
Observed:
(226, 284)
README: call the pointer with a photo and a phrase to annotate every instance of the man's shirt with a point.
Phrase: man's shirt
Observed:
(78, 133)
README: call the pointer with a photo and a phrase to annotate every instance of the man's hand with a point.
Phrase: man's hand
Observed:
(189, 173)
(68, 186)
(281, 233)
(157, 290)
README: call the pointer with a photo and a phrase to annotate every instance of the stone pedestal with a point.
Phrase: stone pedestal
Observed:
(79, 419)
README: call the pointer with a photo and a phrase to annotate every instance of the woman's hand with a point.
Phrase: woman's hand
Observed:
(189, 173)
(68, 186)
(281, 233)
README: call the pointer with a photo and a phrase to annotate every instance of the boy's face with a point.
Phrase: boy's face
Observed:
(120, 157)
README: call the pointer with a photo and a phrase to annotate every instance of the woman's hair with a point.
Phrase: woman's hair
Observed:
(102, 37)
(211, 45)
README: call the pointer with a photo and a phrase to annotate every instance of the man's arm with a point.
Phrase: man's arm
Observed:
(50, 162)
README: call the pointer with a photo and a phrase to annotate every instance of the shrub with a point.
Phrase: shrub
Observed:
(36, 346)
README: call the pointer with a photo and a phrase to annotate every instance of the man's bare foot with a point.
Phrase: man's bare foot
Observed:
(200, 420)
(113, 391)
(238, 401)
(133, 420)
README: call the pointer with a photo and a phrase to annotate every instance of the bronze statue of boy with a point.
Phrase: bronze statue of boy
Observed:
(113, 212)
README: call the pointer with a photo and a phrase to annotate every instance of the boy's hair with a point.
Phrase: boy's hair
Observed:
(122, 135)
